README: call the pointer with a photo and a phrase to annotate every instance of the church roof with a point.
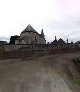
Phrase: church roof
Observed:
(61, 41)
(29, 28)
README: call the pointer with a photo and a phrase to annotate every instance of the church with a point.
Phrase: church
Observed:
(30, 36)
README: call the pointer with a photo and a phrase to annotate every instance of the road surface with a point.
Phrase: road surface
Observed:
(45, 74)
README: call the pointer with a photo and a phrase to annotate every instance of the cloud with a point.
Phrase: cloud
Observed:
(56, 17)
(66, 29)
(4, 39)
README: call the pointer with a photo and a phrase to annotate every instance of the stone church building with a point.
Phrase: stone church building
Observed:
(30, 36)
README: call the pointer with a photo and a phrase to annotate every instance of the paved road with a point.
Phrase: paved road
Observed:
(39, 75)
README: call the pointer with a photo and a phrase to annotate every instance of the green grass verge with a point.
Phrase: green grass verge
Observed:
(76, 60)
(77, 81)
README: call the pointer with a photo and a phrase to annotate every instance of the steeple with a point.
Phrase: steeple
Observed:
(55, 38)
(42, 33)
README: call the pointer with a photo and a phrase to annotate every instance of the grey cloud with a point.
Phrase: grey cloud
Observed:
(59, 25)
(69, 29)
(4, 38)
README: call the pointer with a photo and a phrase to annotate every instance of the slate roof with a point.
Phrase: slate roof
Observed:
(29, 28)
(61, 41)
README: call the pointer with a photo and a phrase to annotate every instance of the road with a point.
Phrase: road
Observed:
(45, 74)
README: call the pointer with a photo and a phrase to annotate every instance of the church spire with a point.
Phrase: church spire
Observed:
(42, 33)
(55, 38)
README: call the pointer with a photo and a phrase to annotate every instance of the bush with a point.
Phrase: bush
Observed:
(77, 80)
(76, 60)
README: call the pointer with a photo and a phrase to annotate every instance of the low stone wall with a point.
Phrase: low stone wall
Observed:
(25, 47)
(22, 51)
(14, 47)
(17, 54)
(65, 50)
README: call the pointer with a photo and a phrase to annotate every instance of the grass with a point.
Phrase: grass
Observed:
(77, 80)
(76, 61)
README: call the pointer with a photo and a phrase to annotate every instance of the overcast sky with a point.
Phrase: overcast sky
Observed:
(56, 17)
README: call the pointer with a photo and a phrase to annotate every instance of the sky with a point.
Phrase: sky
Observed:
(59, 18)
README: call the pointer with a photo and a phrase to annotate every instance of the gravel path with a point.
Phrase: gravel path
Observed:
(45, 74)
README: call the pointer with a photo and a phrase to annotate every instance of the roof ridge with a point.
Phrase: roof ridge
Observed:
(29, 28)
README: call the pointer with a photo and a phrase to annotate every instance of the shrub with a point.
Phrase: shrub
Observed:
(76, 60)
(77, 80)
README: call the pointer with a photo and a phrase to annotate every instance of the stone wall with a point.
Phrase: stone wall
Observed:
(17, 54)
(31, 37)
(2, 50)
(61, 51)
(26, 47)
(21, 51)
